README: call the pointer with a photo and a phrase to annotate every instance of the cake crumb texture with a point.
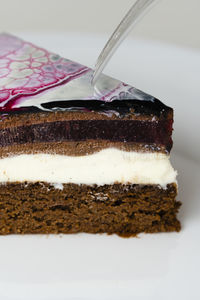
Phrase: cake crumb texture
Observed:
(122, 209)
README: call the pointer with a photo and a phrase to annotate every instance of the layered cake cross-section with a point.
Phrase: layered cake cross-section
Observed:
(78, 159)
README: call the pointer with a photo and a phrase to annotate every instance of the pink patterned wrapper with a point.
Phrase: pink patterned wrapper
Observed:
(30, 76)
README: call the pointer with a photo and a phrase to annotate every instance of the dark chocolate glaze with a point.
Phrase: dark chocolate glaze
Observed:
(122, 108)
(149, 132)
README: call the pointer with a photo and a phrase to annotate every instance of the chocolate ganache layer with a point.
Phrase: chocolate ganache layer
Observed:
(83, 130)
(76, 148)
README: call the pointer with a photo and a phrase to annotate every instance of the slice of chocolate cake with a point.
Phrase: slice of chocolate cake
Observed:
(78, 160)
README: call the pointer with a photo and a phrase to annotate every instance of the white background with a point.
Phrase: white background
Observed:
(175, 21)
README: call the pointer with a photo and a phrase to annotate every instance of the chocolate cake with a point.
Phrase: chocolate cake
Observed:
(78, 159)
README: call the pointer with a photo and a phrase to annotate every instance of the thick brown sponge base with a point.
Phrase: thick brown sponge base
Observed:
(122, 209)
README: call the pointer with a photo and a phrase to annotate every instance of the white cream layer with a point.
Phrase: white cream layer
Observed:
(105, 167)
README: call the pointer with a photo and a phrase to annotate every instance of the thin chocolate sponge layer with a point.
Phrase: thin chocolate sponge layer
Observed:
(122, 209)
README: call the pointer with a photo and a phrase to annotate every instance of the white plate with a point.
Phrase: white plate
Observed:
(157, 266)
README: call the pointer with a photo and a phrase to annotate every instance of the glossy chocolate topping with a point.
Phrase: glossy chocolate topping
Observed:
(120, 108)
